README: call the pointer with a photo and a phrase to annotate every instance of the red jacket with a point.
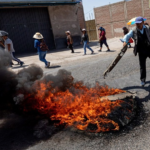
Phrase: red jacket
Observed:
(103, 35)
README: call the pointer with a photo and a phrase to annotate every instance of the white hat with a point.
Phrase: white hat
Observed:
(83, 29)
(38, 36)
(68, 32)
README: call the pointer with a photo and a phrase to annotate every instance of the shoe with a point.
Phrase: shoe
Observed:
(142, 83)
(92, 52)
(48, 64)
(21, 63)
(99, 50)
(130, 46)
(72, 52)
(108, 50)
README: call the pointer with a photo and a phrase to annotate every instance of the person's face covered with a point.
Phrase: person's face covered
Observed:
(140, 25)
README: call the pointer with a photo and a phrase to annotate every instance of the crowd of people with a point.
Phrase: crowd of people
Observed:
(40, 44)
(140, 34)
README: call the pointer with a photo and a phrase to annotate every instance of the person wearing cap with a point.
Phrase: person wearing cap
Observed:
(102, 39)
(85, 41)
(41, 47)
(141, 36)
(69, 41)
(8, 45)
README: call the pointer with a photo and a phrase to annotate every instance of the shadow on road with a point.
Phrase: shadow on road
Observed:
(17, 67)
(140, 87)
(77, 52)
(53, 67)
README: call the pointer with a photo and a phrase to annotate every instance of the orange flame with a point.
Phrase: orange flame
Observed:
(77, 106)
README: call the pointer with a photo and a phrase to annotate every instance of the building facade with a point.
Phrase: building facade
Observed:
(115, 16)
(23, 18)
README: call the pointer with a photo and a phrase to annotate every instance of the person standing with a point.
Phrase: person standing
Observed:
(102, 39)
(85, 41)
(141, 36)
(146, 23)
(41, 47)
(8, 44)
(69, 41)
(126, 31)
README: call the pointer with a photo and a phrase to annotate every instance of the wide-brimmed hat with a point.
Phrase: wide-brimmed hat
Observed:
(38, 35)
(3, 33)
(67, 32)
(83, 29)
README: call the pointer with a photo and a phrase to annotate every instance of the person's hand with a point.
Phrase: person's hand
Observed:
(124, 44)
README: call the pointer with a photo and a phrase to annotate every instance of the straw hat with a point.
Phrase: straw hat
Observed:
(67, 32)
(38, 36)
(83, 29)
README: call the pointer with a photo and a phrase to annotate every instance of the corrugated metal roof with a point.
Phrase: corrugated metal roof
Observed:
(27, 3)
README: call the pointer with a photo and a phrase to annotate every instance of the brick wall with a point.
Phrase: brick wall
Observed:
(115, 16)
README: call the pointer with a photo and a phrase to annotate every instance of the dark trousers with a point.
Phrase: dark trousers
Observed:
(71, 47)
(142, 62)
(103, 42)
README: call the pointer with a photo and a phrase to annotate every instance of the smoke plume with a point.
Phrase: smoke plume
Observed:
(16, 86)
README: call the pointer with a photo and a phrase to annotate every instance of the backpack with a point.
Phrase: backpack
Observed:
(43, 46)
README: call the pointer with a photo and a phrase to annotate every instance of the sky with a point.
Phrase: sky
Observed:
(90, 4)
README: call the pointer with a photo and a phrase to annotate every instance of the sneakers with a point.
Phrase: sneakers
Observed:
(21, 63)
(108, 50)
(99, 50)
(142, 83)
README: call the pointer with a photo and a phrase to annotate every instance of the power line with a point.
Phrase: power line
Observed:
(88, 11)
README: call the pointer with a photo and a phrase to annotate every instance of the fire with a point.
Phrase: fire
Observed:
(77, 105)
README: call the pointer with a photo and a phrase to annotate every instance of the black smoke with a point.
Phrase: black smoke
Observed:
(14, 86)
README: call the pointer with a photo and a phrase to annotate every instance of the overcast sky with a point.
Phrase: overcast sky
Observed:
(90, 4)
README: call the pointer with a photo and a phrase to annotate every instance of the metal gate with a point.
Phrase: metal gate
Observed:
(23, 23)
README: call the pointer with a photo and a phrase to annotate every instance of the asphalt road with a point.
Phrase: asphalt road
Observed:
(17, 132)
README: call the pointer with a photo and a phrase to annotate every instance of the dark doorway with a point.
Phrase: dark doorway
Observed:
(23, 23)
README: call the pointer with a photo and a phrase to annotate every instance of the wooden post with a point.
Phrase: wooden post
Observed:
(112, 27)
(142, 8)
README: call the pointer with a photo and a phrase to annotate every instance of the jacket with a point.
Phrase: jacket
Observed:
(135, 37)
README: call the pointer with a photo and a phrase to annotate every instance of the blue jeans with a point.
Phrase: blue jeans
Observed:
(42, 56)
(86, 46)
